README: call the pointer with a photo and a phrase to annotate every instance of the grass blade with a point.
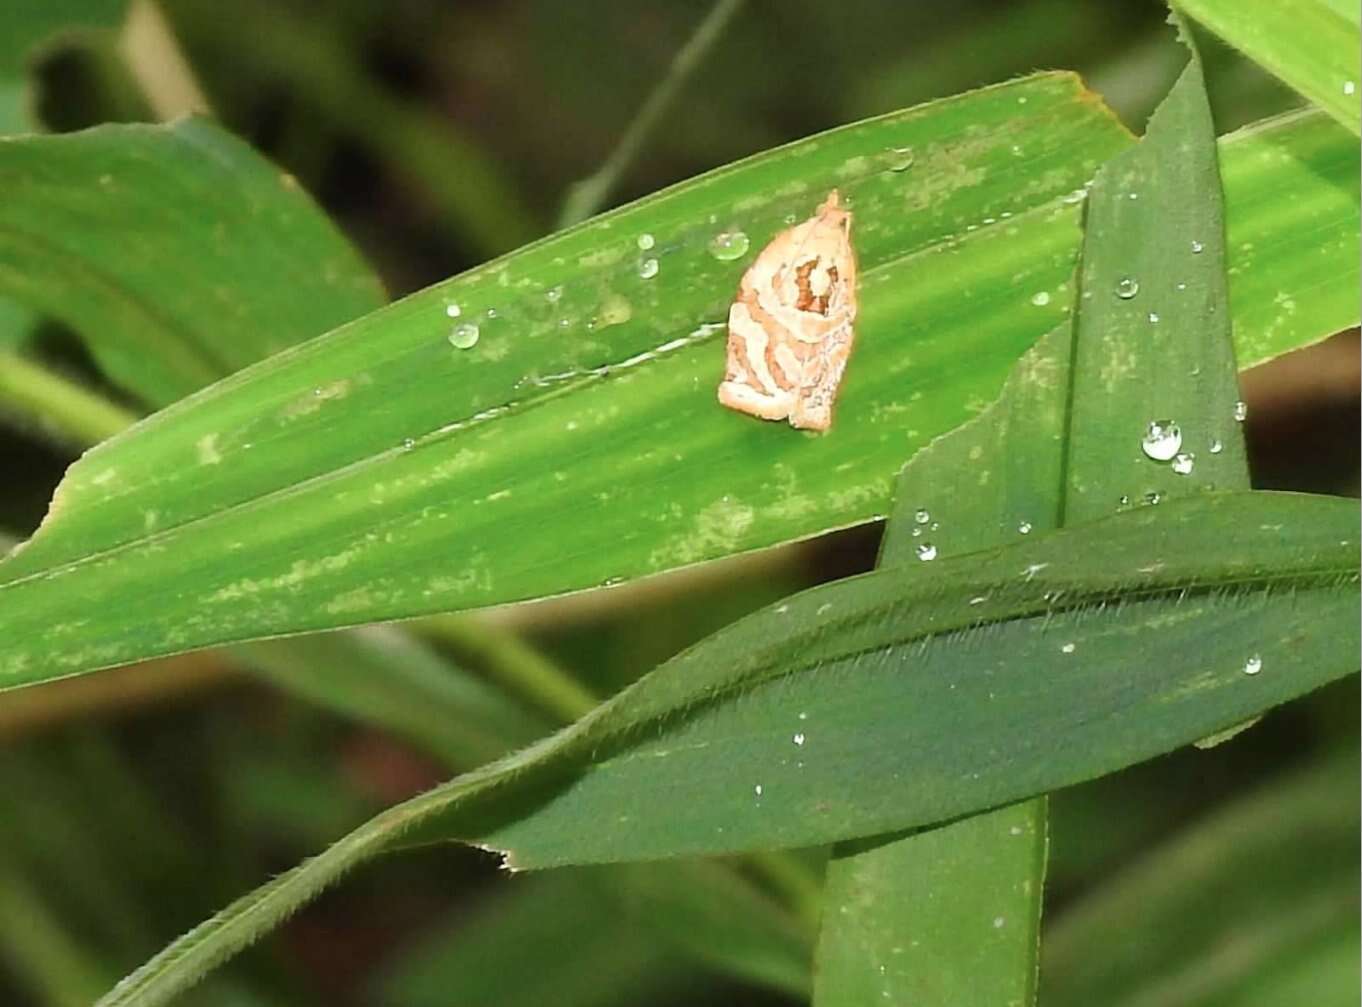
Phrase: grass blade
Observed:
(919, 704)
(1310, 44)
(303, 457)
(1205, 934)
(231, 261)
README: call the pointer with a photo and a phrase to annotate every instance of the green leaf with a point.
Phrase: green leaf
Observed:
(1230, 912)
(178, 253)
(558, 939)
(952, 915)
(1307, 240)
(926, 694)
(1310, 44)
(389, 679)
(265, 495)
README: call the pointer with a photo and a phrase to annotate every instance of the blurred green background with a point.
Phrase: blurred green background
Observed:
(439, 135)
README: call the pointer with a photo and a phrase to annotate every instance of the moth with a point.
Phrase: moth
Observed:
(792, 324)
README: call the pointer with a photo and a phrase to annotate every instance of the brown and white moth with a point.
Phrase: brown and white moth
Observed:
(791, 327)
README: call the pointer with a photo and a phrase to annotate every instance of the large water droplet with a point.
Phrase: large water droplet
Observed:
(1253, 665)
(1127, 287)
(1162, 441)
(464, 337)
(1184, 463)
(926, 552)
(648, 268)
(645, 242)
(727, 245)
(1240, 412)
(900, 158)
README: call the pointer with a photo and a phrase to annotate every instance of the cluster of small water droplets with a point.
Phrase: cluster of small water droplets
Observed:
(1127, 287)
(728, 245)
(1162, 440)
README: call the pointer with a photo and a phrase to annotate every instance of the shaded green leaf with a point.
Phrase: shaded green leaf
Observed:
(924, 696)
(178, 253)
(28, 25)
(1238, 909)
(1310, 44)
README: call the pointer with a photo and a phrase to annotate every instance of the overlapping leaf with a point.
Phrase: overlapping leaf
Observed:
(381, 472)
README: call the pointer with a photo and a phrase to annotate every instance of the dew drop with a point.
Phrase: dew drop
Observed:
(1184, 463)
(553, 295)
(900, 158)
(1068, 648)
(1181, 285)
(1162, 441)
(1217, 446)
(1349, 87)
(1240, 412)
(798, 739)
(1024, 528)
(1153, 497)
(728, 245)
(453, 310)
(1125, 500)
(1040, 299)
(1134, 195)
(645, 242)
(922, 516)
(491, 312)
(790, 218)
(648, 268)
(1197, 248)
(1253, 665)
(408, 443)
(926, 552)
(464, 337)
(1153, 318)
(1127, 287)
(757, 790)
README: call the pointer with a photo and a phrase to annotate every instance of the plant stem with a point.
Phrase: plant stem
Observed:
(74, 414)
(586, 197)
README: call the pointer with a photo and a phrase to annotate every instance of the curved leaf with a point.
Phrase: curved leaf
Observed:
(921, 695)
(177, 252)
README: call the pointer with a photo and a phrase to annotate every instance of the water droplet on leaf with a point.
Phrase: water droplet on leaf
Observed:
(1253, 665)
(464, 337)
(1184, 463)
(926, 552)
(1162, 441)
(728, 245)
(1127, 287)
(648, 268)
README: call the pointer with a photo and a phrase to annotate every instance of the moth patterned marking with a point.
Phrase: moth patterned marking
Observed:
(792, 324)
